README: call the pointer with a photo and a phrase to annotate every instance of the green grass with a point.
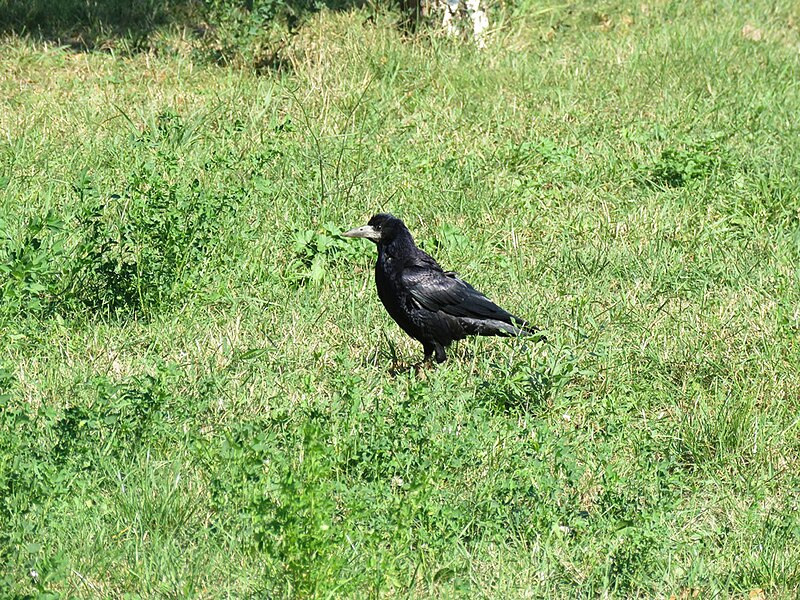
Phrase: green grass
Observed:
(196, 375)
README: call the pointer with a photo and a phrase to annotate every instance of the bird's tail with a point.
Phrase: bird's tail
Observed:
(517, 327)
(507, 326)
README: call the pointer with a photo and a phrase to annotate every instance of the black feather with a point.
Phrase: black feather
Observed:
(431, 305)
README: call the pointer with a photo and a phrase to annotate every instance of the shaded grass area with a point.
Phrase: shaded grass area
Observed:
(196, 379)
(84, 25)
(249, 33)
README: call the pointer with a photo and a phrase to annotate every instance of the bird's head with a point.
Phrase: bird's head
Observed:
(383, 228)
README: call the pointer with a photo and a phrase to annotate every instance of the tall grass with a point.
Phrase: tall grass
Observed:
(197, 380)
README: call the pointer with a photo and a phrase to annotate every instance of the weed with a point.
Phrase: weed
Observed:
(139, 250)
(315, 253)
(29, 265)
(679, 166)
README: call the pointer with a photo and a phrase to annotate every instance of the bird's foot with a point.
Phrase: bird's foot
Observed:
(399, 367)
(424, 365)
(419, 368)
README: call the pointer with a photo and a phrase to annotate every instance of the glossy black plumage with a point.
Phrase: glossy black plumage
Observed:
(431, 305)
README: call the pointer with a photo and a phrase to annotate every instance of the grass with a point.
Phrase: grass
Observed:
(196, 375)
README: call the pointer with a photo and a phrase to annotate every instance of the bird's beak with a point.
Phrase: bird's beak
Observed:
(367, 231)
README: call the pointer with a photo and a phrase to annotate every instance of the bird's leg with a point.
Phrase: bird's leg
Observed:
(427, 362)
(433, 350)
(440, 353)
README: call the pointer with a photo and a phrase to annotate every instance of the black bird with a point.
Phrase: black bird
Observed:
(431, 305)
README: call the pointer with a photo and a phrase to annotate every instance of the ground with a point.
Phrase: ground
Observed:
(198, 383)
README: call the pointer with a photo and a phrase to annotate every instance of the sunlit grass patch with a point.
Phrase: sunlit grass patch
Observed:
(198, 388)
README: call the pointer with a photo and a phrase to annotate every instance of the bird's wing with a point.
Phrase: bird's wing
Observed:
(436, 290)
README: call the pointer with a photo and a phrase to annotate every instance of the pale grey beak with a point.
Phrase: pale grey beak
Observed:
(367, 231)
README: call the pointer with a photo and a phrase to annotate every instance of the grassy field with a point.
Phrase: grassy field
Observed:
(197, 380)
